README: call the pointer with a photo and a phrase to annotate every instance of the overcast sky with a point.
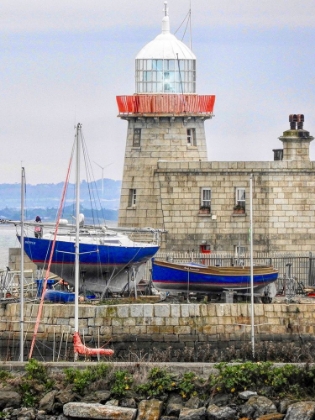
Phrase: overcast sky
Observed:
(64, 61)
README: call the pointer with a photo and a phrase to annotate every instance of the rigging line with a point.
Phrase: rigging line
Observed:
(181, 82)
(63, 193)
(190, 27)
(187, 23)
(93, 192)
(90, 179)
(24, 174)
(182, 22)
(50, 260)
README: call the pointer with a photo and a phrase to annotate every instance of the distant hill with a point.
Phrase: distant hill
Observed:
(97, 199)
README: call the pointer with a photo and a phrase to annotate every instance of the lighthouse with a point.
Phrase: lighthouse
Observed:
(165, 119)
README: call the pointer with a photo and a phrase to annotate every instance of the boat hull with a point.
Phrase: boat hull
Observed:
(197, 278)
(59, 296)
(99, 264)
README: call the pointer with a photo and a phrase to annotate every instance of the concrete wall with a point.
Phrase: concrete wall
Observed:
(160, 326)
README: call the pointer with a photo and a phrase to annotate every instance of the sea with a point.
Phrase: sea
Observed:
(8, 240)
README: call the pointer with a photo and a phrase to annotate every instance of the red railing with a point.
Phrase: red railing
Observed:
(166, 104)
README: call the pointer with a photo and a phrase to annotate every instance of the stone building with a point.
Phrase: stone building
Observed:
(169, 183)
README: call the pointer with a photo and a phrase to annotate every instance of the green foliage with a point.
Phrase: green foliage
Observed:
(35, 370)
(239, 377)
(284, 380)
(122, 383)
(81, 379)
(187, 385)
(36, 378)
(159, 382)
(29, 394)
(4, 375)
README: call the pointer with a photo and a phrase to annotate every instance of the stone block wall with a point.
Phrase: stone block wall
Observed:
(283, 205)
(14, 262)
(142, 327)
(162, 138)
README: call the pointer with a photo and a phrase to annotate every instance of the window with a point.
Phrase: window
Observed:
(240, 250)
(136, 137)
(170, 76)
(240, 198)
(191, 136)
(205, 201)
(132, 197)
(239, 255)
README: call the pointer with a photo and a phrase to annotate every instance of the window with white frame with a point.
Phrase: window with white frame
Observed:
(132, 197)
(205, 199)
(240, 197)
(191, 136)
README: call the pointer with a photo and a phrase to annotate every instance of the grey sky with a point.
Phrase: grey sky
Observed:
(64, 62)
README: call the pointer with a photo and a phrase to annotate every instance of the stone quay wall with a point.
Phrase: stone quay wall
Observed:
(134, 327)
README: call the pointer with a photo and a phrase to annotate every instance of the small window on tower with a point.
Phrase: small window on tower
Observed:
(191, 136)
(136, 137)
(132, 197)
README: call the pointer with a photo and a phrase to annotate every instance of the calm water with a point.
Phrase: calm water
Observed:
(7, 240)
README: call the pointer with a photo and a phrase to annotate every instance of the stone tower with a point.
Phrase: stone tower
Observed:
(165, 123)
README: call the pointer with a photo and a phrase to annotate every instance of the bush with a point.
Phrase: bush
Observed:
(81, 379)
(287, 380)
(122, 383)
(160, 382)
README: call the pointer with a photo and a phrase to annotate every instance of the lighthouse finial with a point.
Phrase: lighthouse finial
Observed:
(165, 20)
(165, 9)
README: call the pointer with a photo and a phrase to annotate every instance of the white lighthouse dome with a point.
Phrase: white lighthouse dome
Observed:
(166, 46)
(165, 65)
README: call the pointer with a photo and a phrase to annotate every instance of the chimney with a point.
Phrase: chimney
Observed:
(296, 141)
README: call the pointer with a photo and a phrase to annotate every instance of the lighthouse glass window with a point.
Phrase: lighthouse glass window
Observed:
(165, 76)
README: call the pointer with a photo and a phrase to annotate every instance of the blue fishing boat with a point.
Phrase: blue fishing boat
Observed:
(168, 276)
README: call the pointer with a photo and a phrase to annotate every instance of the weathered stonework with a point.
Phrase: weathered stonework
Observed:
(175, 325)
(283, 200)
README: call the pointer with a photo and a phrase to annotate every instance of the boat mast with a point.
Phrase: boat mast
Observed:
(77, 224)
(251, 265)
(22, 267)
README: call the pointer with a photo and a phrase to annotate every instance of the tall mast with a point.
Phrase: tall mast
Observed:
(22, 267)
(77, 223)
(252, 267)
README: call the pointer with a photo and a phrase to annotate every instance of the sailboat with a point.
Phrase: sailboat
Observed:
(108, 257)
(78, 346)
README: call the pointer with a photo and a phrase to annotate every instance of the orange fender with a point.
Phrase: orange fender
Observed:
(80, 348)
